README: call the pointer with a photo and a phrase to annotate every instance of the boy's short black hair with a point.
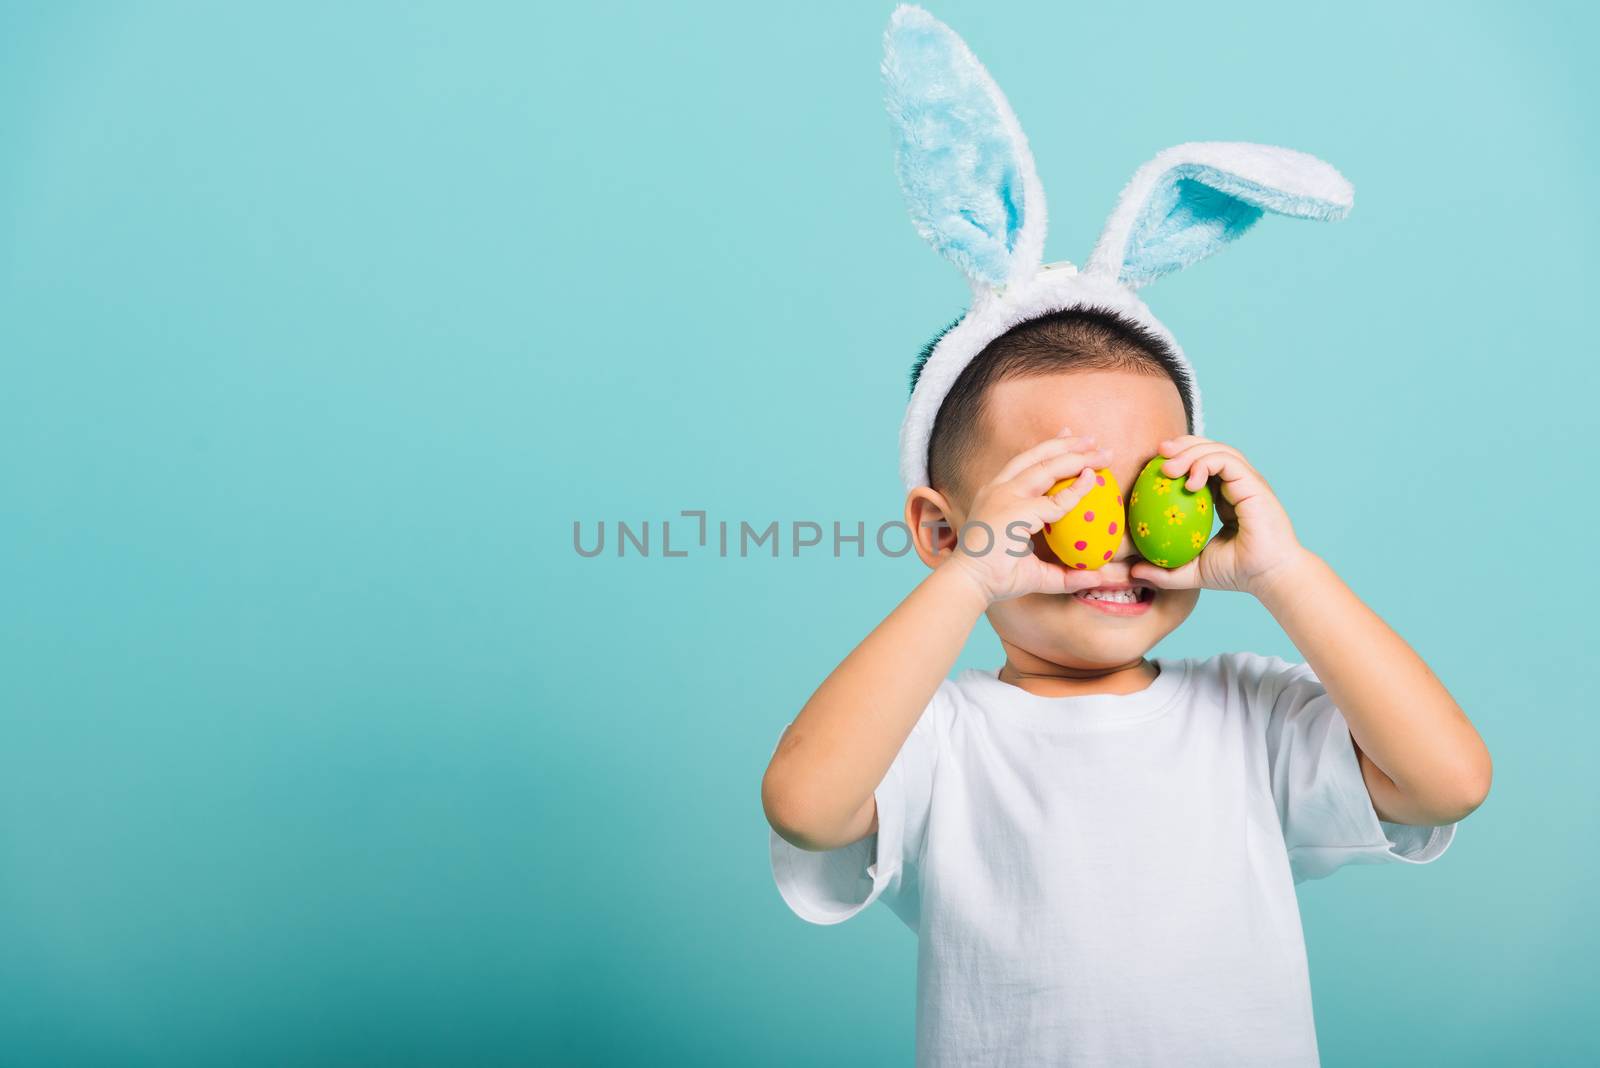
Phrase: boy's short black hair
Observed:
(1079, 339)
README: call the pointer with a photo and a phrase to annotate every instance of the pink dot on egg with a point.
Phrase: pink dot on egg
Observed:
(1108, 554)
(1113, 528)
(1088, 517)
(1099, 480)
(1080, 545)
(1079, 565)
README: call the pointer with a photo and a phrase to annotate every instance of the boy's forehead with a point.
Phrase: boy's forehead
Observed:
(1126, 411)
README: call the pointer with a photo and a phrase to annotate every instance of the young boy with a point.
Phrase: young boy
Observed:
(1098, 849)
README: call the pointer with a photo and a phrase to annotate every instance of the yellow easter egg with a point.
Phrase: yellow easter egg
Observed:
(1088, 536)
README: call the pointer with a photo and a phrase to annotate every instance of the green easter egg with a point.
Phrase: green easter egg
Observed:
(1168, 524)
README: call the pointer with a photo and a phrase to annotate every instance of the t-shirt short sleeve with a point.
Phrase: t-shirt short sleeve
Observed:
(830, 886)
(1323, 805)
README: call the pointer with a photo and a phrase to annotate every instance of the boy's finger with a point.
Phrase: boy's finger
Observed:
(1058, 578)
(1039, 476)
(1177, 578)
(1239, 480)
(1047, 448)
(1203, 467)
(1054, 507)
(1178, 462)
(1173, 446)
(1037, 513)
(1043, 450)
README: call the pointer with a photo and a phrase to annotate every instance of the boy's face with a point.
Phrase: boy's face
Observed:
(1129, 413)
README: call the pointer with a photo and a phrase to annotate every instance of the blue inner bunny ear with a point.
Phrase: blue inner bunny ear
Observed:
(1191, 200)
(962, 161)
(1184, 220)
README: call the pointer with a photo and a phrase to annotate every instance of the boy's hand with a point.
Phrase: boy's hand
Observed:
(1015, 500)
(1256, 537)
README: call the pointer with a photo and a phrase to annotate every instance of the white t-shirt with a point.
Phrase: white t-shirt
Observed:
(1109, 880)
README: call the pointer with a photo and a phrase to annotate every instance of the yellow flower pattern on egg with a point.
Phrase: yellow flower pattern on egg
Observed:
(1170, 523)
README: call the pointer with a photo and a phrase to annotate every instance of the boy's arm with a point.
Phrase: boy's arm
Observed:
(1422, 760)
(819, 789)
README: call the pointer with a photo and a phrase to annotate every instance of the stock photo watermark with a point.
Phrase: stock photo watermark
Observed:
(696, 534)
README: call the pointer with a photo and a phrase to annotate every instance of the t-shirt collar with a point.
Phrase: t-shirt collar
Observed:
(1091, 712)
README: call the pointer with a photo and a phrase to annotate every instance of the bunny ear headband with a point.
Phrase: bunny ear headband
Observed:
(971, 188)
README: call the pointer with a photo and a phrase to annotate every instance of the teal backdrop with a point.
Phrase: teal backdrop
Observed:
(321, 326)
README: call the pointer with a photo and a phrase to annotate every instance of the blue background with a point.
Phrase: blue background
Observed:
(320, 325)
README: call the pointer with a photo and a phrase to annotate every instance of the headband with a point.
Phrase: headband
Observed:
(972, 192)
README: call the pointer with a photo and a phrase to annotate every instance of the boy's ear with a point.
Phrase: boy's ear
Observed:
(963, 163)
(1192, 199)
(933, 524)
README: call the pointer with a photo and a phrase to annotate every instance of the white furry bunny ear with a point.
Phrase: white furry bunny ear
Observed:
(1192, 199)
(962, 161)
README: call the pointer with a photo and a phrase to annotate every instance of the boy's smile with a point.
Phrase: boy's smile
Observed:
(1118, 600)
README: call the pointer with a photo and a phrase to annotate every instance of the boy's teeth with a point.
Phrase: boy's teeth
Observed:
(1111, 595)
